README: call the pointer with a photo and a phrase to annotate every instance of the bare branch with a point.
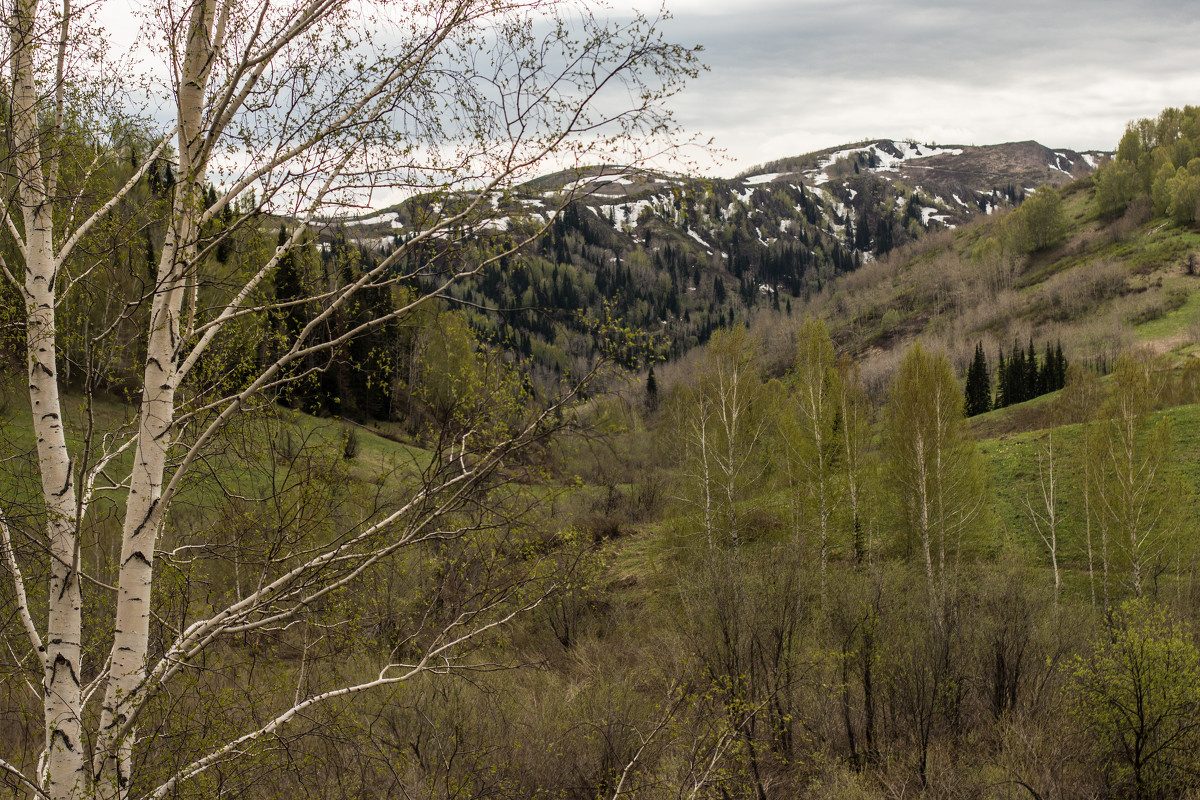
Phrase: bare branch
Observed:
(10, 558)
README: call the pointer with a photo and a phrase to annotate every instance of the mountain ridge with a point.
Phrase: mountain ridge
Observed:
(681, 255)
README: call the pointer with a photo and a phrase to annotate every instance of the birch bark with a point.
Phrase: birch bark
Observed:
(64, 762)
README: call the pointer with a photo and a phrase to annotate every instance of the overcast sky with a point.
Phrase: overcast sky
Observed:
(790, 77)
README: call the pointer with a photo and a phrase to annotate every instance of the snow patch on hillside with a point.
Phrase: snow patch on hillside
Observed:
(628, 214)
(379, 219)
(696, 236)
(935, 215)
(887, 160)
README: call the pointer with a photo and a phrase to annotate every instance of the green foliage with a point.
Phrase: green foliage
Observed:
(1138, 694)
(1156, 157)
(1039, 223)
(809, 420)
(1117, 185)
(1161, 189)
(719, 434)
(466, 386)
(1184, 189)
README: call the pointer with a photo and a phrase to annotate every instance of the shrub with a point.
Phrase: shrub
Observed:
(1039, 223)
(1138, 694)
(350, 444)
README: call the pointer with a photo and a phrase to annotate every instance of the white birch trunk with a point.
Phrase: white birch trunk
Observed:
(64, 772)
(64, 758)
(144, 515)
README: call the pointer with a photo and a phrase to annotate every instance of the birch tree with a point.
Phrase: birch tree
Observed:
(810, 435)
(1043, 511)
(302, 110)
(933, 466)
(721, 427)
(1135, 486)
(854, 409)
(1080, 402)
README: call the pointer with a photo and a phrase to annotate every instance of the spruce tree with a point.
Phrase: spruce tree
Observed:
(1060, 367)
(979, 385)
(288, 289)
(1031, 373)
(1003, 389)
(1016, 377)
(1047, 372)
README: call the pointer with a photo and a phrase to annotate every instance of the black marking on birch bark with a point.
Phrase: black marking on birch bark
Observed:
(155, 362)
(45, 369)
(66, 740)
(140, 556)
(61, 659)
(67, 483)
(49, 416)
(142, 525)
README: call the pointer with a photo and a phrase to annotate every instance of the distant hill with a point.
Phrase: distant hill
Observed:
(682, 255)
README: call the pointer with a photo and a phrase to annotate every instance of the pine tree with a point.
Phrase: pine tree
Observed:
(651, 392)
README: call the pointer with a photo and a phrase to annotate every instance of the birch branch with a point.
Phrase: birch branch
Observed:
(20, 776)
(10, 558)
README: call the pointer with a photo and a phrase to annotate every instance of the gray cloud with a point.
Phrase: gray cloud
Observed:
(791, 77)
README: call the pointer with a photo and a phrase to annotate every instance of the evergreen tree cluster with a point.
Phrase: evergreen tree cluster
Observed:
(356, 380)
(1021, 376)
